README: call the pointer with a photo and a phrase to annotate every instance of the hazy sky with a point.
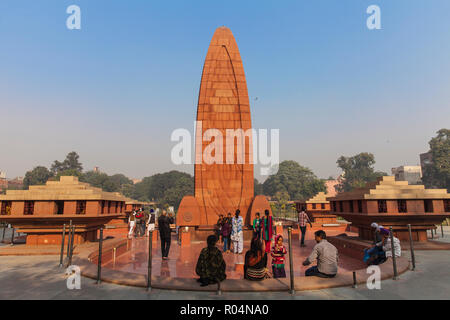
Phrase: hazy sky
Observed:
(116, 89)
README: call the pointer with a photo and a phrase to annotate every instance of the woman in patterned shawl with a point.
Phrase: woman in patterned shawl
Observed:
(210, 265)
(255, 262)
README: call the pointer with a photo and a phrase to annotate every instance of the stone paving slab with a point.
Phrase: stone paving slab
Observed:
(38, 277)
(89, 270)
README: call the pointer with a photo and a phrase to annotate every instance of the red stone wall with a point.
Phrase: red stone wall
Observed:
(17, 208)
(43, 208)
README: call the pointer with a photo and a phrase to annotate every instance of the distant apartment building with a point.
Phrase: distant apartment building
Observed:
(412, 174)
(425, 159)
(16, 183)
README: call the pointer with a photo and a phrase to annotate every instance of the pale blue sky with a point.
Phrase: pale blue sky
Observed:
(116, 89)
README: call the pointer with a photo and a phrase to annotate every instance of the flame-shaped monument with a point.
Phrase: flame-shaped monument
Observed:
(223, 104)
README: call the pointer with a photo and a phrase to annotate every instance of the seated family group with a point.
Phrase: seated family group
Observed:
(211, 266)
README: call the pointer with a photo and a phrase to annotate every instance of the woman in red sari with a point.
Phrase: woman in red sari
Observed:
(267, 230)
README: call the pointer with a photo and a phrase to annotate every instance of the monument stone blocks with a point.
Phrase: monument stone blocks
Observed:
(222, 188)
(392, 203)
(41, 211)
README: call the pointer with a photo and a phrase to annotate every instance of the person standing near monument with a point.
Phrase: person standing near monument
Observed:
(267, 230)
(218, 228)
(131, 224)
(302, 220)
(257, 226)
(326, 255)
(237, 235)
(226, 233)
(140, 222)
(151, 221)
(164, 223)
(278, 253)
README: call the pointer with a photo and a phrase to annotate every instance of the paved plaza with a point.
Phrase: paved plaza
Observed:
(39, 277)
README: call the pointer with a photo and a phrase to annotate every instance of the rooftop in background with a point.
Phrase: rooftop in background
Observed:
(67, 188)
(388, 188)
(412, 174)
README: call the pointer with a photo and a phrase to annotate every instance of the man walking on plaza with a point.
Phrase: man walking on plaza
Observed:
(302, 220)
(326, 255)
(164, 223)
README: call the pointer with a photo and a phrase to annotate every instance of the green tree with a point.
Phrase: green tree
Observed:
(173, 195)
(258, 188)
(299, 182)
(165, 188)
(358, 170)
(68, 172)
(99, 180)
(37, 176)
(437, 174)
(70, 163)
(282, 198)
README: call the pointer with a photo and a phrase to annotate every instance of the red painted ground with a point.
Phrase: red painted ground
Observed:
(182, 260)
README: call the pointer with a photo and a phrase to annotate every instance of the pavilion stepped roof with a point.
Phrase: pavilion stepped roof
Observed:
(67, 188)
(318, 198)
(388, 188)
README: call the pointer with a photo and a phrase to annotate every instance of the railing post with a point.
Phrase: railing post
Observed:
(149, 267)
(3, 235)
(411, 245)
(62, 246)
(432, 234)
(442, 229)
(354, 280)
(394, 260)
(99, 259)
(12, 235)
(69, 239)
(71, 245)
(291, 263)
(219, 291)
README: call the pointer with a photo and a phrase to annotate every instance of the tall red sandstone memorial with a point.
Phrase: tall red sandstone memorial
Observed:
(223, 104)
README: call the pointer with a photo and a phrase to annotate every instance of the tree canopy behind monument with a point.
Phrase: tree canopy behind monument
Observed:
(71, 163)
(358, 170)
(165, 188)
(437, 173)
(296, 181)
(37, 176)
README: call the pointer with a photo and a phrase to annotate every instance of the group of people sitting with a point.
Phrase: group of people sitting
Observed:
(382, 246)
(211, 266)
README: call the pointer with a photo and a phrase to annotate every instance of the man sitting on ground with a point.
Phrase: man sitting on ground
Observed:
(210, 265)
(376, 255)
(326, 255)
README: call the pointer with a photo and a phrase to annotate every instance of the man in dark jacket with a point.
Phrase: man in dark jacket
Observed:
(164, 223)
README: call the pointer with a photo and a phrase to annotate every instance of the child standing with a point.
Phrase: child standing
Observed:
(278, 252)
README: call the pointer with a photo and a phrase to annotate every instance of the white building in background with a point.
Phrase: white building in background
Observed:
(412, 174)
(2, 174)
